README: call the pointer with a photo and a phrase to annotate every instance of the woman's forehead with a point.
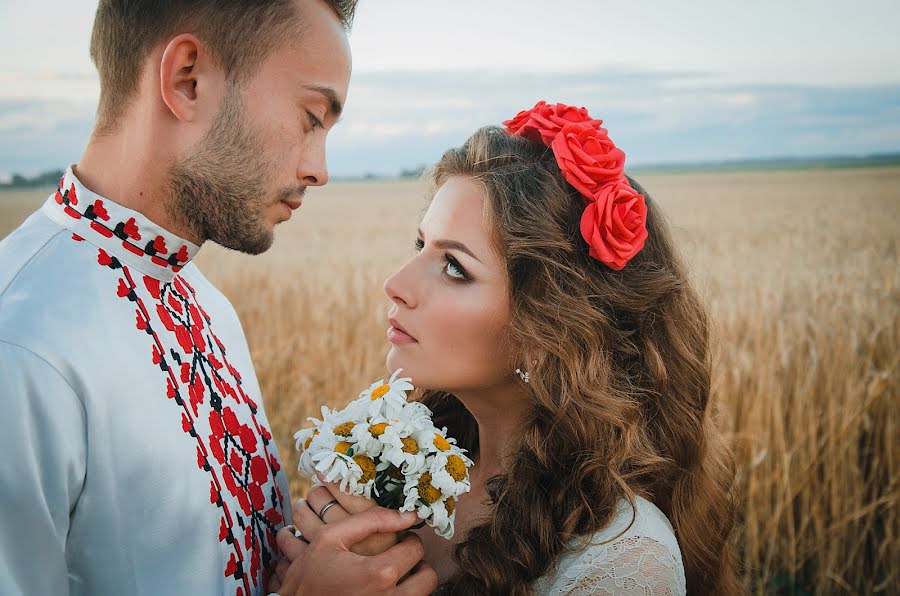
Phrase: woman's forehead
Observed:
(458, 210)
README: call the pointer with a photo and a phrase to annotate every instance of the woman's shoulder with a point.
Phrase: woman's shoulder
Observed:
(648, 522)
(637, 551)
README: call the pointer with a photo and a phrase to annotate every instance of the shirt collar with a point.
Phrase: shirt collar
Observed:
(126, 234)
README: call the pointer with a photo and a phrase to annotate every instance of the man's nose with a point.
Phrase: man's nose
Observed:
(313, 168)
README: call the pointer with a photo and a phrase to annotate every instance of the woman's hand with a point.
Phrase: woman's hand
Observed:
(306, 516)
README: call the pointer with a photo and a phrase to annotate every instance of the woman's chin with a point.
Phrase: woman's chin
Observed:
(393, 361)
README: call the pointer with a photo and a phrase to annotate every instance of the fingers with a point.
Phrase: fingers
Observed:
(319, 496)
(350, 503)
(348, 532)
(281, 569)
(275, 581)
(289, 577)
(401, 557)
(306, 521)
(423, 580)
(291, 546)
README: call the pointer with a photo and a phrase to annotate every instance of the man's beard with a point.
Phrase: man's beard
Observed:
(218, 190)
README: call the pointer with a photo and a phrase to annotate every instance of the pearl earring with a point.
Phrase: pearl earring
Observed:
(522, 375)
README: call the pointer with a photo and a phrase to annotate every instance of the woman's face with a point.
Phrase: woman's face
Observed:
(451, 300)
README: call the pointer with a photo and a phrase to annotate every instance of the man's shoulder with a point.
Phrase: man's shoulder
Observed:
(24, 248)
(208, 295)
(45, 278)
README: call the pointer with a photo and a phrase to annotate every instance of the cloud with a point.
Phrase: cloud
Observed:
(41, 135)
(396, 120)
(402, 119)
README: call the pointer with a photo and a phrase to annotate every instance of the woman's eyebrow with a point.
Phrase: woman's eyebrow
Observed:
(445, 244)
(454, 244)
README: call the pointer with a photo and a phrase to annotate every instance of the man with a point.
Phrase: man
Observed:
(137, 457)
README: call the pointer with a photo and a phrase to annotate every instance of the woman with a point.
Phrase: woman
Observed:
(560, 341)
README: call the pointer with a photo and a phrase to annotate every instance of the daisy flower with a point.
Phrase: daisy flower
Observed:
(414, 416)
(437, 509)
(336, 463)
(402, 450)
(449, 471)
(387, 398)
(365, 435)
(388, 449)
(443, 517)
(433, 440)
(362, 476)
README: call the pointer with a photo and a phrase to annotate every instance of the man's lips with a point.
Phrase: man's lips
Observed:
(293, 203)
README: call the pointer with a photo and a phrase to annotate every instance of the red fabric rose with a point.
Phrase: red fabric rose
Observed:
(614, 224)
(587, 157)
(543, 121)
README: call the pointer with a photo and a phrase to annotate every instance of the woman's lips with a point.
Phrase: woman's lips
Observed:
(398, 335)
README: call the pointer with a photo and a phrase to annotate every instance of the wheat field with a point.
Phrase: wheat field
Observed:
(800, 272)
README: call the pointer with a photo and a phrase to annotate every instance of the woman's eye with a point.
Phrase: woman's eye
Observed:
(419, 244)
(454, 270)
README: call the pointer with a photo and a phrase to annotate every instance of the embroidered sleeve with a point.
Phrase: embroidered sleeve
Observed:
(632, 565)
(42, 466)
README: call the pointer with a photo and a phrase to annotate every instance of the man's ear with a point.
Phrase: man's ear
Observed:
(185, 76)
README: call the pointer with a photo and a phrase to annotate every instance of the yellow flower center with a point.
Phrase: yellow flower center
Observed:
(309, 440)
(456, 467)
(380, 392)
(410, 445)
(378, 429)
(441, 443)
(368, 467)
(450, 504)
(343, 447)
(344, 429)
(428, 493)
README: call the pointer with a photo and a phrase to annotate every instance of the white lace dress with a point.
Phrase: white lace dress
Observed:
(644, 560)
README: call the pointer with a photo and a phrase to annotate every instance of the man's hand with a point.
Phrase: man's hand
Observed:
(326, 565)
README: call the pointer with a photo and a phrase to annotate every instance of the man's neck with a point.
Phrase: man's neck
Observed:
(118, 168)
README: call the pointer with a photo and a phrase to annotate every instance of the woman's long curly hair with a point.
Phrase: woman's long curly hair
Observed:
(619, 398)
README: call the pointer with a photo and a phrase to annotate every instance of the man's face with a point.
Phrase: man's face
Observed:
(267, 143)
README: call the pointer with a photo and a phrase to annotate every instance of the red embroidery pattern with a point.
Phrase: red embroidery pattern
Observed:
(127, 231)
(235, 455)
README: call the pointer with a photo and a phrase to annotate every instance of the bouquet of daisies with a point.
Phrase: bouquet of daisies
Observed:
(387, 448)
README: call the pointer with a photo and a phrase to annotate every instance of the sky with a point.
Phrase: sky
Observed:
(674, 82)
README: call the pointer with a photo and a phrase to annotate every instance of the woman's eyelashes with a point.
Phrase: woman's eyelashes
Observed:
(452, 269)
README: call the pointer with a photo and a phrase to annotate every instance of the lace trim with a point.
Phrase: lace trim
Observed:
(632, 565)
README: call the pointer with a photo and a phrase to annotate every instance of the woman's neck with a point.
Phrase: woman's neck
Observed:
(499, 413)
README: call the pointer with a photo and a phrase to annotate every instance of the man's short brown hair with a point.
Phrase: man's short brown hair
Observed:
(239, 35)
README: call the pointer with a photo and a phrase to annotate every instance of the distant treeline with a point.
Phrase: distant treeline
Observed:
(775, 163)
(50, 178)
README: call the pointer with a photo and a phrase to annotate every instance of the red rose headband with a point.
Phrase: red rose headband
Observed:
(614, 221)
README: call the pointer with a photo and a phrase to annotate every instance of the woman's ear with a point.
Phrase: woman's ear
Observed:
(185, 76)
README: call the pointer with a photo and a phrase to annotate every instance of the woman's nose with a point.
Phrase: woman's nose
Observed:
(399, 289)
